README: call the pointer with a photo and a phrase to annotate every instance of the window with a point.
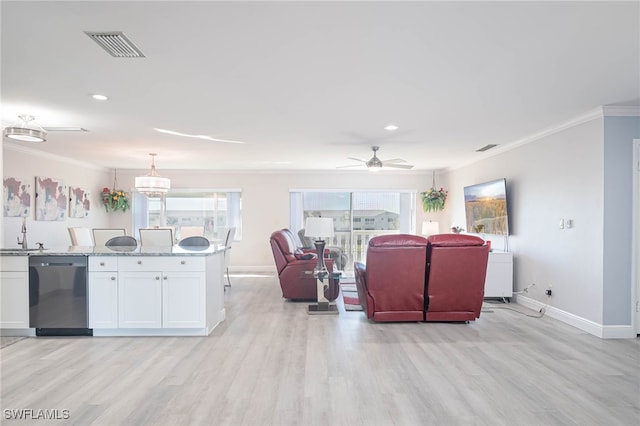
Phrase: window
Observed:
(214, 210)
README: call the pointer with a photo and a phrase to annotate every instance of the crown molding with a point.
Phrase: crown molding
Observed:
(593, 114)
(49, 156)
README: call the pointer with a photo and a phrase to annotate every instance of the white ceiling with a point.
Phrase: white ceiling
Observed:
(308, 84)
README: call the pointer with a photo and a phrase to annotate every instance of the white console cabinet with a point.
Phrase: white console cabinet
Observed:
(14, 292)
(499, 280)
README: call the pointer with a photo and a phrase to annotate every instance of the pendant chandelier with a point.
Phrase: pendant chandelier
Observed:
(153, 183)
(27, 130)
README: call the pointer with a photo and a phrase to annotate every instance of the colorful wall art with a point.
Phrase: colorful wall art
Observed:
(79, 202)
(51, 199)
(17, 197)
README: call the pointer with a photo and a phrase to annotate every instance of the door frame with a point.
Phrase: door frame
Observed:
(635, 251)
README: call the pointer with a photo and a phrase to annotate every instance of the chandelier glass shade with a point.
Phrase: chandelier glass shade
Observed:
(27, 130)
(152, 183)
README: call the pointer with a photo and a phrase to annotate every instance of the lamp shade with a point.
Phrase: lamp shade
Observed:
(152, 183)
(430, 228)
(318, 227)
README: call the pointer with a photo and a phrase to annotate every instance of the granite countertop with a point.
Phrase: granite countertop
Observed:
(115, 251)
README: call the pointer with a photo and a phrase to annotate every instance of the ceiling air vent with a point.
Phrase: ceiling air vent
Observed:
(116, 43)
(486, 147)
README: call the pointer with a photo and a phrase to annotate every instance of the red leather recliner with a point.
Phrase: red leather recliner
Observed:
(456, 272)
(410, 278)
(295, 266)
(391, 287)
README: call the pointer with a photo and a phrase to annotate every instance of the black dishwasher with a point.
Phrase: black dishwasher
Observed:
(58, 295)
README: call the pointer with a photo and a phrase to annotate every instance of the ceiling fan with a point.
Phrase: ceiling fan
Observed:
(374, 163)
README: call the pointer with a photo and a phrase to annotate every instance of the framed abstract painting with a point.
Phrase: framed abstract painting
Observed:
(51, 199)
(17, 197)
(79, 202)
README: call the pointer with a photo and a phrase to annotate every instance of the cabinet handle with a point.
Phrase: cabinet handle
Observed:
(182, 262)
(164, 277)
(157, 278)
(101, 263)
(113, 278)
(139, 262)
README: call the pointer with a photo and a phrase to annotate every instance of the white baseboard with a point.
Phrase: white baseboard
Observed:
(598, 330)
(253, 269)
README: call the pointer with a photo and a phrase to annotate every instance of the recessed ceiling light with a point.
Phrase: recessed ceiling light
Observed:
(99, 97)
(391, 127)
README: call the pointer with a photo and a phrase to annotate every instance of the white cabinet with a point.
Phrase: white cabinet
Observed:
(183, 299)
(499, 279)
(161, 292)
(102, 292)
(139, 299)
(103, 299)
(14, 292)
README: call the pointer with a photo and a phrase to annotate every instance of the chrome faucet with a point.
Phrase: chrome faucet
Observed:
(23, 243)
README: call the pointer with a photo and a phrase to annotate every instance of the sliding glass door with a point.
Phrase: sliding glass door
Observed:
(357, 216)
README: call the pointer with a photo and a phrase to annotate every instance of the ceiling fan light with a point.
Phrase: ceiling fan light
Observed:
(153, 183)
(27, 130)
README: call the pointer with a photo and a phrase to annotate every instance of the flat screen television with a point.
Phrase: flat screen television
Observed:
(485, 206)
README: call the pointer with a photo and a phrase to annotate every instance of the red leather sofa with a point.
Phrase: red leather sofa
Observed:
(410, 278)
(295, 267)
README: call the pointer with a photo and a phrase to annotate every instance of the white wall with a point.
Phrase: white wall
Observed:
(582, 173)
(265, 198)
(20, 161)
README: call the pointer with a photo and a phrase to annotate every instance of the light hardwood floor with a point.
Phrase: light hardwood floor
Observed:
(270, 363)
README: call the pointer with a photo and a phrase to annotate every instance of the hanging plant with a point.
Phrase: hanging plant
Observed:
(115, 199)
(433, 199)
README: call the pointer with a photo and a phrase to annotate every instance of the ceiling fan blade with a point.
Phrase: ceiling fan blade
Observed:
(356, 159)
(395, 160)
(346, 167)
(400, 166)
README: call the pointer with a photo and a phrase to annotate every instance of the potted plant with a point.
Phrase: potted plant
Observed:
(433, 199)
(115, 199)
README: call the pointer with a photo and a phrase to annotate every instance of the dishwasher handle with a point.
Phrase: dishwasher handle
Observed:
(59, 264)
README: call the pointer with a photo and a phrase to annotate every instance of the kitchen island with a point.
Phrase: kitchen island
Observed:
(131, 291)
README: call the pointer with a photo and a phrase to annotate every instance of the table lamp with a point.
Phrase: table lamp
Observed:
(319, 228)
(430, 228)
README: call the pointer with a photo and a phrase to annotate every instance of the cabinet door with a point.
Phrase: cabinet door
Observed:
(14, 300)
(139, 300)
(183, 300)
(499, 278)
(103, 299)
